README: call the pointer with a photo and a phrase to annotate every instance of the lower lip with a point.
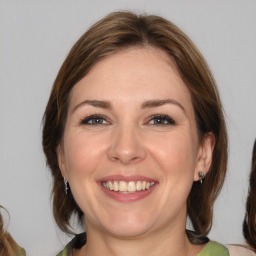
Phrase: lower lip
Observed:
(129, 197)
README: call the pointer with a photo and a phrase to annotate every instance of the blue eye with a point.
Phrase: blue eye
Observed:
(94, 120)
(161, 120)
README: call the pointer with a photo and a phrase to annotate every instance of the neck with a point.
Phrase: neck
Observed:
(160, 242)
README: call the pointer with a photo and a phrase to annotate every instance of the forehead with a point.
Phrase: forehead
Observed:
(133, 75)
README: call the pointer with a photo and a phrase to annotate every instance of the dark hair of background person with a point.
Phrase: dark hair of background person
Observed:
(8, 246)
(117, 31)
(249, 225)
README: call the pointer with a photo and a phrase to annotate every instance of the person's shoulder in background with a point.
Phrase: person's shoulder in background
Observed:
(240, 250)
(8, 246)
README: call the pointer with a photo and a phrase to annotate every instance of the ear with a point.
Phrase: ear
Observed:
(61, 160)
(204, 155)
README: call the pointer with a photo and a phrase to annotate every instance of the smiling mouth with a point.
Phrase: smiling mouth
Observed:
(127, 187)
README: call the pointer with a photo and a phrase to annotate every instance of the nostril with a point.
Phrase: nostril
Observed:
(126, 148)
(125, 159)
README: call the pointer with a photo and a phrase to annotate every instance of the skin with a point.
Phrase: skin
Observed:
(128, 141)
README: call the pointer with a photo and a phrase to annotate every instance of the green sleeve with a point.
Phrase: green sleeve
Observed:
(21, 251)
(65, 252)
(214, 249)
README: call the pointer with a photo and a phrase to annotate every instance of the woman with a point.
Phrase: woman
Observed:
(135, 139)
(249, 226)
(8, 246)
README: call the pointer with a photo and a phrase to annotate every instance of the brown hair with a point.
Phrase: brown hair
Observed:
(113, 33)
(8, 246)
(249, 228)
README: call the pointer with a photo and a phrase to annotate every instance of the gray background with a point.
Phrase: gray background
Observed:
(35, 37)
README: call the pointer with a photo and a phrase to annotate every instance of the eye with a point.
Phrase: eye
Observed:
(161, 120)
(94, 120)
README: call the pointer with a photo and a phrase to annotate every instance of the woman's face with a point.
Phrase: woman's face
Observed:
(130, 149)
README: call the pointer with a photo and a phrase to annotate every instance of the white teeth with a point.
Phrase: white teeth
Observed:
(138, 186)
(122, 186)
(131, 186)
(116, 187)
(143, 185)
(110, 185)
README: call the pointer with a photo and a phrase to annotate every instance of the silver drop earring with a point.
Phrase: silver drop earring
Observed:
(201, 176)
(66, 185)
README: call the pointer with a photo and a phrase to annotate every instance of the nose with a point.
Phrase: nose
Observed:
(126, 146)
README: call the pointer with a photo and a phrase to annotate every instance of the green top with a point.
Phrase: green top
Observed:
(21, 251)
(211, 249)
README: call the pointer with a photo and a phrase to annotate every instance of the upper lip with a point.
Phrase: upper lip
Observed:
(126, 178)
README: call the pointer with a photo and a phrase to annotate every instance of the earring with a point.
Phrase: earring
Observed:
(201, 176)
(66, 185)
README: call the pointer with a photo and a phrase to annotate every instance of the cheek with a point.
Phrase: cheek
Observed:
(176, 154)
(82, 153)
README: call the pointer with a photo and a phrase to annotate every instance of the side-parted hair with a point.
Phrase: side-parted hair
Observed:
(249, 227)
(121, 30)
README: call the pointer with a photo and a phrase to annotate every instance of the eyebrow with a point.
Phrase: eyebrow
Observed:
(146, 104)
(158, 103)
(94, 103)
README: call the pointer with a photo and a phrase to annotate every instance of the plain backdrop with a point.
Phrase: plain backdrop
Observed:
(35, 37)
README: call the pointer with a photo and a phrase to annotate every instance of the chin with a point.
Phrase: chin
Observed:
(127, 231)
(128, 225)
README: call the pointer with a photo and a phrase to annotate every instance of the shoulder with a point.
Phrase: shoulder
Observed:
(65, 252)
(237, 250)
(76, 243)
(214, 249)
(21, 251)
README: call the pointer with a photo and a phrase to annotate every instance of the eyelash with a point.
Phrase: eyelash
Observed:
(100, 119)
(89, 120)
(159, 117)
